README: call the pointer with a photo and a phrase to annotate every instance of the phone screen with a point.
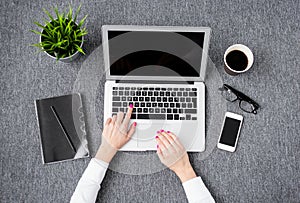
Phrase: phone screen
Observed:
(230, 131)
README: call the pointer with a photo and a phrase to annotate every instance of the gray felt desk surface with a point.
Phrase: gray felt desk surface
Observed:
(265, 167)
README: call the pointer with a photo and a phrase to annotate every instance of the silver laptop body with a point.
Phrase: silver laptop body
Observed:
(161, 71)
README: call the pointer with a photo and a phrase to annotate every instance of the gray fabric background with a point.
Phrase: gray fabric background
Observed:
(265, 167)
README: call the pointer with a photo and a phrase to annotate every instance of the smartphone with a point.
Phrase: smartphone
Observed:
(230, 132)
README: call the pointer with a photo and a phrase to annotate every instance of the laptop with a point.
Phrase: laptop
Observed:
(161, 71)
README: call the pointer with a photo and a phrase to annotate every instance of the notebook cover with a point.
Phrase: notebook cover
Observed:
(62, 128)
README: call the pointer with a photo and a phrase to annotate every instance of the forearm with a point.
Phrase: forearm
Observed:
(89, 184)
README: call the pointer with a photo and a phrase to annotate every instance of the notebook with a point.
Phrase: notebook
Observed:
(62, 128)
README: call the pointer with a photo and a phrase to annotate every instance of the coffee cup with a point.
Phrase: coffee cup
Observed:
(238, 58)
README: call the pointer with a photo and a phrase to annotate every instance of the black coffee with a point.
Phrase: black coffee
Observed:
(237, 60)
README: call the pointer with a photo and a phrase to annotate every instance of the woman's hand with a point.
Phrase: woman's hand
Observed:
(173, 155)
(115, 135)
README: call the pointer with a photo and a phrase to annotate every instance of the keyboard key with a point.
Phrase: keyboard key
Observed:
(161, 94)
(133, 116)
(172, 105)
(190, 110)
(152, 116)
(140, 110)
(129, 98)
(183, 105)
(176, 99)
(138, 93)
(194, 118)
(116, 98)
(121, 93)
(176, 117)
(187, 89)
(169, 110)
(148, 104)
(188, 99)
(173, 94)
(135, 98)
(182, 118)
(153, 99)
(151, 88)
(123, 98)
(185, 94)
(163, 110)
(125, 104)
(154, 104)
(151, 110)
(169, 116)
(192, 94)
(127, 88)
(182, 99)
(158, 99)
(144, 93)
(145, 110)
(188, 117)
(180, 111)
(169, 89)
(139, 88)
(181, 89)
(150, 94)
(121, 88)
(136, 104)
(145, 88)
(190, 105)
(147, 99)
(133, 88)
(170, 99)
(116, 104)
(175, 89)
(142, 104)
(157, 88)
(194, 100)
(194, 89)
(167, 94)
(179, 94)
(126, 93)
(115, 110)
(163, 89)
(115, 88)
(157, 110)
(122, 109)
(166, 105)
(115, 93)
(134, 110)
(141, 98)
(155, 93)
(165, 99)
(160, 104)
(132, 93)
(175, 111)
(177, 105)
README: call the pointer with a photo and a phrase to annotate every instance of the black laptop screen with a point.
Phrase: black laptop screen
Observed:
(153, 53)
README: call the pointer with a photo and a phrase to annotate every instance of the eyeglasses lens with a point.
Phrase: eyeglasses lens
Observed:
(229, 95)
(246, 106)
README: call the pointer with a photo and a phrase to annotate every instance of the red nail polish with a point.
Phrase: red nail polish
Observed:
(156, 137)
(168, 131)
(158, 132)
(161, 130)
(157, 146)
(130, 105)
(134, 124)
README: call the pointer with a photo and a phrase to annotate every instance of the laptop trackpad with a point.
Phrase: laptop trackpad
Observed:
(146, 134)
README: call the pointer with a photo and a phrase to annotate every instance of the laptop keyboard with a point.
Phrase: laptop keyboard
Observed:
(156, 103)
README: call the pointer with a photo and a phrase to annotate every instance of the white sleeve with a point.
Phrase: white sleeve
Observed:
(196, 191)
(89, 184)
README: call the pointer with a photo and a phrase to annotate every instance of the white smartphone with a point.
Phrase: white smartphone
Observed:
(230, 132)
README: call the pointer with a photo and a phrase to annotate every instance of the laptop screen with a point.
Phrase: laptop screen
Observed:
(155, 53)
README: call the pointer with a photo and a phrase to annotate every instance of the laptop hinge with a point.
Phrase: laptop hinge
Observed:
(154, 82)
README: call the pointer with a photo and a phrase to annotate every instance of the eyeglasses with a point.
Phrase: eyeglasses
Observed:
(232, 95)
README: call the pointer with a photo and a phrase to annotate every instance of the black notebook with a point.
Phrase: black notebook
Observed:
(62, 128)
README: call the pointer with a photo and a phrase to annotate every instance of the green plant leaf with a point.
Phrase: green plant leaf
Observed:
(82, 21)
(48, 14)
(76, 13)
(70, 13)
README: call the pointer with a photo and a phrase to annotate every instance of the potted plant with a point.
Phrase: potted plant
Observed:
(62, 38)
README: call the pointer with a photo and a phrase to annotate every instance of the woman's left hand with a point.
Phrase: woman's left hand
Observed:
(115, 135)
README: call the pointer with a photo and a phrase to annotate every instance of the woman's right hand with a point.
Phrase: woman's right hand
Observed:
(173, 155)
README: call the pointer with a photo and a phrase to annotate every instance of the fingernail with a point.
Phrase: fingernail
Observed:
(158, 132)
(157, 146)
(168, 131)
(156, 137)
(130, 105)
(134, 124)
(161, 130)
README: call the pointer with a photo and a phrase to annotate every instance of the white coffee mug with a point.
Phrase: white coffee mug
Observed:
(245, 50)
